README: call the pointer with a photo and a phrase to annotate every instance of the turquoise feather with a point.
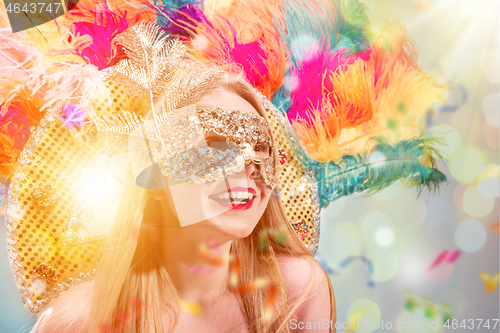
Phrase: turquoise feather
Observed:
(383, 166)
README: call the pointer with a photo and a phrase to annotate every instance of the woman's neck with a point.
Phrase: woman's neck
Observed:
(197, 262)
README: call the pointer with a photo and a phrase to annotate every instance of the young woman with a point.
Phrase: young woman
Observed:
(209, 233)
(155, 267)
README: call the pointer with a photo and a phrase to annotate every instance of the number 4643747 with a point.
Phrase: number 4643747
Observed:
(471, 324)
(33, 7)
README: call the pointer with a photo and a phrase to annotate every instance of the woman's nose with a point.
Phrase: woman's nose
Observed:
(251, 170)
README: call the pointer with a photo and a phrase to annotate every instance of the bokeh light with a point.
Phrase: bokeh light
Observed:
(344, 240)
(470, 235)
(370, 313)
(372, 223)
(475, 203)
(491, 135)
(465, 164)
(411, 269)
(489, 180)
(490, 108)
(384, 236)
(385, 264)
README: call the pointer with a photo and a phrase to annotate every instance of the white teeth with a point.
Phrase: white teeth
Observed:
(236, 195)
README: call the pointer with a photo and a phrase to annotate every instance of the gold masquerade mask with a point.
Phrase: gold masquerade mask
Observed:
(182, 150)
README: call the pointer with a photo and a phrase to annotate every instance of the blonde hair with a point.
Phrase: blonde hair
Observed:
(131, 268)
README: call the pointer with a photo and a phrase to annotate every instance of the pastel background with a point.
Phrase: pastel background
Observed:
(386, 253)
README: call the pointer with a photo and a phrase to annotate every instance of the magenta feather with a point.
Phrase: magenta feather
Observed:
(309, 79)
(101, 25)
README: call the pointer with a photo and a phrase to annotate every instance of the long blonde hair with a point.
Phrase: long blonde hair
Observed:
(131, 270)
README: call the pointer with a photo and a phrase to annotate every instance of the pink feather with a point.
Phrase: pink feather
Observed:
(310, 80)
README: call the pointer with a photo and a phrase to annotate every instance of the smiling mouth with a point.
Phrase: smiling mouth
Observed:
(235, 198)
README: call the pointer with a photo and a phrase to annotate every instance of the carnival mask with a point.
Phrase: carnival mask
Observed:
(207, 145)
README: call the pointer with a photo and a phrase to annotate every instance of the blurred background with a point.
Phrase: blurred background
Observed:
(396, 256)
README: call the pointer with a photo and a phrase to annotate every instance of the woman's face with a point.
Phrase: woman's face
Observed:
(232, 206)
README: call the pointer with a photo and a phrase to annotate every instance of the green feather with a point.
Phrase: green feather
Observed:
(376, 170)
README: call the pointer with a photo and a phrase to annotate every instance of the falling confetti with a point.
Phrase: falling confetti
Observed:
(449, 257)
(495, 226)
(278, 235)
(212, 255)
(260, 283)
(353, 320)
(490, 283)
(429, 308)
(189, 307)
(73, 116)
(344, 263)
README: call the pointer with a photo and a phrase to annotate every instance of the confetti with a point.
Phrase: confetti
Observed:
(490, 283)
(353, 320)
(212, 255)
(344, 263)
(121, 318)
(73, 116)
(426, 303)
(278, 235)
(271, 289)
(445, 256)
(189, 307)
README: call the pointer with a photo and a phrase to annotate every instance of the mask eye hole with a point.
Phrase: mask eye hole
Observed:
(262, 150)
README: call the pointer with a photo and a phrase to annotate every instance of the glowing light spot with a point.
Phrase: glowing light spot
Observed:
(366, 310)
(491, 105)
(465, 164)
(411, 268)
(489, 180)
(384, 237)
(475, 203)
(470, 235)
(450, 139)
(385, 264)
(372, 223)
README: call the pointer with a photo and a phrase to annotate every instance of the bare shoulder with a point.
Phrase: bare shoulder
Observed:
(297, 272)
(308, 290)
(68, 313)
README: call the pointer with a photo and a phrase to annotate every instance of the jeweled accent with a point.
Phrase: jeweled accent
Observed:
(45, 273)
(45, 195)
(301, 228)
